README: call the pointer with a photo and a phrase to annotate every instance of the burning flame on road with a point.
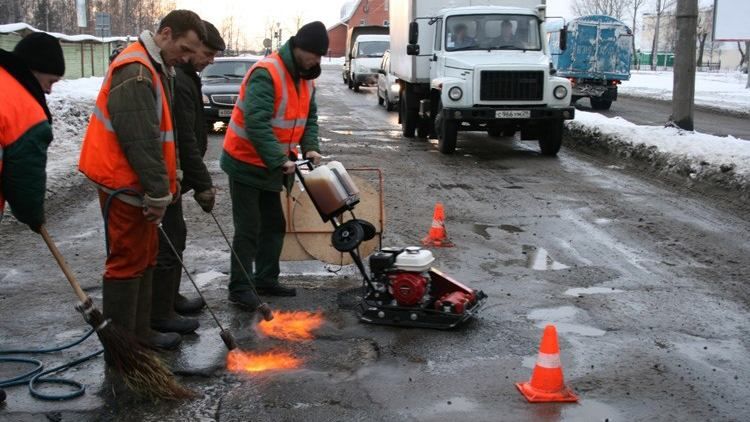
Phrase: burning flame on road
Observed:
(292, 326)
(239, 361)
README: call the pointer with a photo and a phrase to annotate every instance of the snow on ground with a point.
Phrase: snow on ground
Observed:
(70, 103)
(701, 157)
(332, 61)
(720, 90)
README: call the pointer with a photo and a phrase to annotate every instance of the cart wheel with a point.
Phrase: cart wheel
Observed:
(369, 229)
(347, 236)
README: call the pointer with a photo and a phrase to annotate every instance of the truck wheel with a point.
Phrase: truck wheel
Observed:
(551, 138)
(408, 119)
(600, 104)
(381, 101)
(356, 86)
(447, 133)
(350, 82)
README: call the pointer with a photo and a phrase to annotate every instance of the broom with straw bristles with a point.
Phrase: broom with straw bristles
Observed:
(141, 369)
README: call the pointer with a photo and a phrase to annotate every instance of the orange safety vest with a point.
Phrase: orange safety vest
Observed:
(102, 159)
(16, 116)
(291, 109)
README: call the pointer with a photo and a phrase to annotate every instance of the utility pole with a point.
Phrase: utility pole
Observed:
(655, 46)
(747, 59)
(683, 88)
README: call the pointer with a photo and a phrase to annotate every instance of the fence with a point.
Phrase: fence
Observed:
(85, 55)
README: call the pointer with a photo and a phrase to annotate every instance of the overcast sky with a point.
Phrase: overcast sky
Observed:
(253, 17)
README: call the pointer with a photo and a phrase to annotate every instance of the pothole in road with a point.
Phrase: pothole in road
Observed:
(580, 291)
(539, 259)
(564, 318)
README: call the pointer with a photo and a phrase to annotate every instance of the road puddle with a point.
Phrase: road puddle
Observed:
(540, 260)
(581, 291)
(482, 229)
(564, 319)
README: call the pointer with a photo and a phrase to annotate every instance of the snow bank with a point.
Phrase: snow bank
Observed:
(700, 157)
(70, 103)
(721, 91)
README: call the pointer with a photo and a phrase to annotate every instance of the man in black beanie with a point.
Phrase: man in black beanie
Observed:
(192, 142)
(26, 74)
(275, 113)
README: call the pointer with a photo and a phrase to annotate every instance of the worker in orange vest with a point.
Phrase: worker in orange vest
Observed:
(26, 74)
(275, 112)
(129, 153)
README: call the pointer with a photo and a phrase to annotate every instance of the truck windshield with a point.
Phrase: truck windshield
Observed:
(492, 32)
(372, 48)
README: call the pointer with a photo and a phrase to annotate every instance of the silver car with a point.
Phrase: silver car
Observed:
(388, 88)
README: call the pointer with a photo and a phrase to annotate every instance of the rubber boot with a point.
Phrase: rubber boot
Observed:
(119, 304)
(183, 305)
(149, 337)
(163, 317)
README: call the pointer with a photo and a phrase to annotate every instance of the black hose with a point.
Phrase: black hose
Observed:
(35, 376)
(108, 204)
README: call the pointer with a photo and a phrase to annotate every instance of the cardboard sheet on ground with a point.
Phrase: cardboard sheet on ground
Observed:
(309, 238)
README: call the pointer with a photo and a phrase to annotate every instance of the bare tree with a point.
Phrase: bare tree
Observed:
(705, 28)
(614, 8)
(661, 7)
(634, 6)
(743, 54)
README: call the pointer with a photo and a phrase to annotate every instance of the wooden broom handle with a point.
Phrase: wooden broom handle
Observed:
(63, 265)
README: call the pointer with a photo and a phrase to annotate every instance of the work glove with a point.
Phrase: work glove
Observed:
(177, 194)
(206, 199)
(314, 156)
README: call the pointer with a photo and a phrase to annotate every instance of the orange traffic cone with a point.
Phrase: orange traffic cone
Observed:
(438, 236)
(546, 384)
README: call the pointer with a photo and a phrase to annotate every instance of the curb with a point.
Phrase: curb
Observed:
(704, 175)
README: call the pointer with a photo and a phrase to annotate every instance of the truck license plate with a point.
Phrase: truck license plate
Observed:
(512, 114)
(225, 113)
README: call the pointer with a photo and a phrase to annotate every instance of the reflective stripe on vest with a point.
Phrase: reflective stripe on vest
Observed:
(102, 159)
(166, 135)
(287, 128)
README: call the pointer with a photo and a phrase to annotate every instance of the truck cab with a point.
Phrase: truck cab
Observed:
(481, 68)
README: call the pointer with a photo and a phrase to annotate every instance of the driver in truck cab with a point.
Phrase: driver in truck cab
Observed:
(460, 37)
(507, 37)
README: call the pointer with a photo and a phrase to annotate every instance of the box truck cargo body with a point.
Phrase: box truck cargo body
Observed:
(476, 65)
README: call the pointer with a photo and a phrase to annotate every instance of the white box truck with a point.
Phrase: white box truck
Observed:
(477, 65)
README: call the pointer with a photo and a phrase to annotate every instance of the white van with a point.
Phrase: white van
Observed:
(366, 55)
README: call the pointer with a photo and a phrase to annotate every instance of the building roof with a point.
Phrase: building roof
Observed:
(346, 18)
(22, 27)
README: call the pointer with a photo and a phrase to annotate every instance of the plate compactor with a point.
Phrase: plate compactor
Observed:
(401, 288)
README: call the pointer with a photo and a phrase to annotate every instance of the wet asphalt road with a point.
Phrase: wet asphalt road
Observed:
(645, 280)
(645, 111)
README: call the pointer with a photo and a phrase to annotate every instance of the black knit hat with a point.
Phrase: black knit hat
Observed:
(213, 37)
(313, 38)
(41, 52)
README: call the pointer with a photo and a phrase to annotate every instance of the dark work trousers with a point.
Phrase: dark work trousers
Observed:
(174, 225)
(259, 228)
